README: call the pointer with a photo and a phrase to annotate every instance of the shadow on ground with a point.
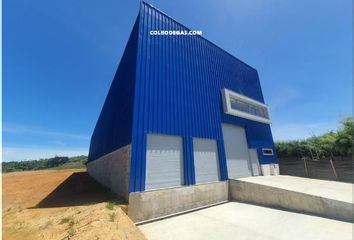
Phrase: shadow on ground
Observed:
(78, 189)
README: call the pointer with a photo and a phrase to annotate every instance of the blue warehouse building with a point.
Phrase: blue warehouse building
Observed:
(181, 112)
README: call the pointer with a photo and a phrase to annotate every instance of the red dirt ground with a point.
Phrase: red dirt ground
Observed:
(62, 204)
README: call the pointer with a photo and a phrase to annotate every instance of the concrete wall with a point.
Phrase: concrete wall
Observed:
(158, 203)
(281, 198)
(270, 169)
(113, 171)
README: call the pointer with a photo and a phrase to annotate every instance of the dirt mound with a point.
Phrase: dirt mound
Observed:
(62, 204)
(27, 189)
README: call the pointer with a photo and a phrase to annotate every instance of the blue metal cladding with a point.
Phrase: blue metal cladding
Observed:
(172, 85)
(178, 92)
(114, 126)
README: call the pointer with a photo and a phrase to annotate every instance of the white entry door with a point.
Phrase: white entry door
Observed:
(254, 162)
(236, 149)
(206, 160)
(164, 162)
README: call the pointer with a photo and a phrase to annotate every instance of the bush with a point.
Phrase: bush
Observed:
(334, 143)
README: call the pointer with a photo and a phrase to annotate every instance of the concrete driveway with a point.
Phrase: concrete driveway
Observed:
(240, 221)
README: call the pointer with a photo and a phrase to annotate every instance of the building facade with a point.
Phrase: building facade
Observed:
(180, 112)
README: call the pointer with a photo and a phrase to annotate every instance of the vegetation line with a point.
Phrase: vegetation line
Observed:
(48, 163)
(335, 143)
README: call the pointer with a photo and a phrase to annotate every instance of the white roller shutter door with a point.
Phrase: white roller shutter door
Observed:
(236, 149)
(206, 161)
(164, 162)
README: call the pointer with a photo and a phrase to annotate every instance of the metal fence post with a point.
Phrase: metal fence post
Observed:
(333, 168)
(306, 170)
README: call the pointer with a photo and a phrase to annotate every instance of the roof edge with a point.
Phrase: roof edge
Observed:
(165, 14)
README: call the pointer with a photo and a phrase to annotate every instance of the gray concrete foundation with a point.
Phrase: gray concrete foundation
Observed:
(260, 191)
(113, 171)
(318, 197)
(149, 205)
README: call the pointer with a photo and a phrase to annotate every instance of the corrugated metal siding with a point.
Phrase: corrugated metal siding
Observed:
(178, 92)
(114, 126)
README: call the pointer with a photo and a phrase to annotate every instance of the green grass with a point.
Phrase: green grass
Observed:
(71, 232)
(55, 163)
(112, 217)
(70, 221)
(110, 205)
(66, 220)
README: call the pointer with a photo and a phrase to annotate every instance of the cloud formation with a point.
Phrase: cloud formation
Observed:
(21, 129)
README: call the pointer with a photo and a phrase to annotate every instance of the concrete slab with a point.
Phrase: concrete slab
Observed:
(327, 189)
(318, 197)
(244, 221)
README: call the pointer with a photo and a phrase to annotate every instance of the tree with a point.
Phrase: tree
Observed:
(334, 143)
(345, 139)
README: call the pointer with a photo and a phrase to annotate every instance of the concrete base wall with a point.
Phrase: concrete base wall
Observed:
(270, 169)
(113, 171)
(158, 203)
(297, 201)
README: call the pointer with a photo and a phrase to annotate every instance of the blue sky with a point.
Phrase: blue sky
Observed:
(59, 58)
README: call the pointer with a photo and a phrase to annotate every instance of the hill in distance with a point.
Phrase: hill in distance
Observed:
(56, 162)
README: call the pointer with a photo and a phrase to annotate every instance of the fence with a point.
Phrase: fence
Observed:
(336, 169)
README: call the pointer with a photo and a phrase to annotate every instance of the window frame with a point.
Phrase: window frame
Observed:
(226, 98)
(267, 154)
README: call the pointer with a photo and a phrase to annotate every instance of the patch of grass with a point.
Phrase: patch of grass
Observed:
(112, 216)
(69, 220)
(120, 201)
(66, 220)
(70, 232)
(110, 205)
(71, 223)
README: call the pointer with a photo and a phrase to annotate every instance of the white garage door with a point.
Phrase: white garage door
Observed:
(236, 150)
(164, 162)
(206, 161)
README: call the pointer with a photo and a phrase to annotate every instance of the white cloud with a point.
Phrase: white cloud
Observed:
(283, 97)
(21, 129)
(296, 131)
(34, 153)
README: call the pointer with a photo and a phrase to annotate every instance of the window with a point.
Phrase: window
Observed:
(242, 106)
(267, 151)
